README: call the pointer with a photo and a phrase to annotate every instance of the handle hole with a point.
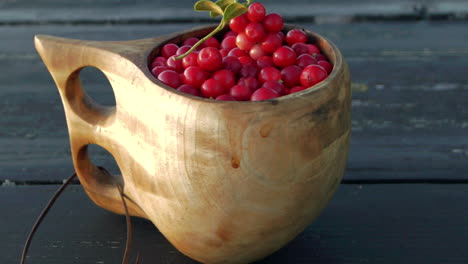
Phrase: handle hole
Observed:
(93, 156)
(90, 94)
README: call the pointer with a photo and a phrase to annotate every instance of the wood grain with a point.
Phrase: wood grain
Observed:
(362, 224)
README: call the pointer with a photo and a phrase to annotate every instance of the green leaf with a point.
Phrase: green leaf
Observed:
(233, 10)
(205, 5)
(224, 3)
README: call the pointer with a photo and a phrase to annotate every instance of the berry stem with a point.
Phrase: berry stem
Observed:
(212, 33)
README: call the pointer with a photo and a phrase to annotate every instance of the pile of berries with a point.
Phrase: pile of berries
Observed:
(253, 61)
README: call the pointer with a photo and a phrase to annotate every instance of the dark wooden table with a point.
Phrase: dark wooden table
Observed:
(404, 198)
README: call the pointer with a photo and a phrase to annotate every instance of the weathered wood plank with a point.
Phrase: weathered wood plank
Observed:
(410, 119)
(423, 223)
(114, 11)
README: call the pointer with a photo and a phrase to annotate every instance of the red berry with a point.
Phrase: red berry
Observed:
(269, 74)
(296, 36)
(226, 77)
(273, 22)
(190, 60)
(170, 78)
(232, 33)
(158, 69)
(188, 89)
(239, 23)
(275, 86)
(312, 75)
(296, 89)
(158, 61)
(224, 52)
(169, 50)
(174, 64)
(256, 52)
(190, 41)
(255, 32)
(212, 88)
(326, 65)
(236, 52)
(319, 57)
(284, 56)
(263, 94)
(249, 82)
(232, 63)
(248, 71)
(313, 49)
(228, 43)
(291, 75)
(305, 60)
(243, 42)
(182, 50)
(256, 12)
(271, 42)
(265, 61)
(225, 97)
(210, 59)
(212, 42)
(240, 92)
(300, 48)
(194, 76)
(244, 60)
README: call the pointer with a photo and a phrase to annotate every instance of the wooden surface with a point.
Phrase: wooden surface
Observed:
(408, 62)
(423, 223)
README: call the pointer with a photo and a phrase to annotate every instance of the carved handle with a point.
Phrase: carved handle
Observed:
(88, 122)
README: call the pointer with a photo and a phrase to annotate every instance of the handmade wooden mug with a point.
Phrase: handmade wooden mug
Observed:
(224, 182)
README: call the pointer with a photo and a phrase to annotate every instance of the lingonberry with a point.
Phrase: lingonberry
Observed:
(188, 89)
(170, 78)
(269, 74)
(239, 23)
(254, 32)
(273, 22)
(226, 77)
(256, 12)
(240, 92)
(291, 75)
(249, 82)
(296, 36)
(271, 42)
(284, 56)
(256, 52)
(312, 75)
(174, 64)
(275, 86)
(212, 88)
(190, 60)
(232, 63)
(210, 59)
(263, 94)
(243, 42)
(265, 61)
(169, 50)
(296, 89)
(194, 76)
(228, 43)
(305, 60)
(326, 65)
(248, 70)
(225, 97)
(158, 69)
(300, 48)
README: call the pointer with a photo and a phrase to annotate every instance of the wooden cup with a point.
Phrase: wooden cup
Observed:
(224, 182)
